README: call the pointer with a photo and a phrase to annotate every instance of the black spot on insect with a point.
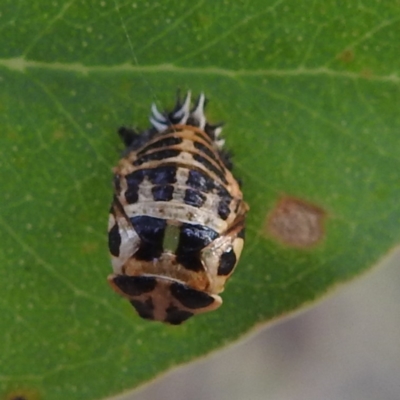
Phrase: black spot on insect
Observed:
(162, 175)
(117, 183)
(242, 233)
(148, 252)
(227, 262)
(204, 137)
(114, 240)
(223, 193)
(195, 237)
(200, 180)
(157, 156)
(133, 181)
(128, 135)
(175, 316)
(151, 232)
(189, 297)
(162, 192)
(211, 167)
(134, 285)
(135, 177)
(208, 152)
(226, 158)
(132, 194)
(145, 309)
(223, 209)
(191, 261)
(192, 239)
(194, 198)
(159, 144)
(134, 140)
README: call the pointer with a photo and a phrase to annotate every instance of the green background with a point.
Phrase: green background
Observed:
(309, 92)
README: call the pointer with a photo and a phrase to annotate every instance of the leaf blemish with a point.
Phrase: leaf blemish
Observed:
(22, 394)
(346, 56)
(296, 222)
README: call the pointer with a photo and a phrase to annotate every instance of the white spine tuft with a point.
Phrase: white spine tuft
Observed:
(158, 125)
(157, 119)
(156, 114)
(198, 112)
(220, 143)
(184, 111)
(217, 131)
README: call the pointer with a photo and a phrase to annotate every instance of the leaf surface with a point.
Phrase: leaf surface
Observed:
(309, 92)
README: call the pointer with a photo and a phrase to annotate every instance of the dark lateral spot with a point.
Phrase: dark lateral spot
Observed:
(117, 183)
(190, 298)
(157, 156)
(200, 181)
(242, 233)
(226, 158)
(223, 209)
(145, 309)
(223, 193)
(227, 262)
(114, 240)
(135, 285)
(162, 192)
(175, 316)
(162, 142)
(211, 167)
(134, 140)
(127, 135)
(151, 232)
(194, 198)
(131, 194)
(135, 177)
(296, 222)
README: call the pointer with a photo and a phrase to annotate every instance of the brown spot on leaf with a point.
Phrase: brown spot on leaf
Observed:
(58, 134)
(346, 56)
(296, 223)
(22, 394)
(90, 247)
(366, 73)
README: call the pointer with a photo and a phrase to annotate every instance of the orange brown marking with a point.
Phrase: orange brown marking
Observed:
(296, 223)
(346, 56)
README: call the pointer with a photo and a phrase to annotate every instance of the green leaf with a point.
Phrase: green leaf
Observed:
(309, 92)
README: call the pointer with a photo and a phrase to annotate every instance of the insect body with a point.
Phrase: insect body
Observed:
(176, 224)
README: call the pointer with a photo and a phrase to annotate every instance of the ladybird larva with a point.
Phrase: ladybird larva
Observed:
(176, 225)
